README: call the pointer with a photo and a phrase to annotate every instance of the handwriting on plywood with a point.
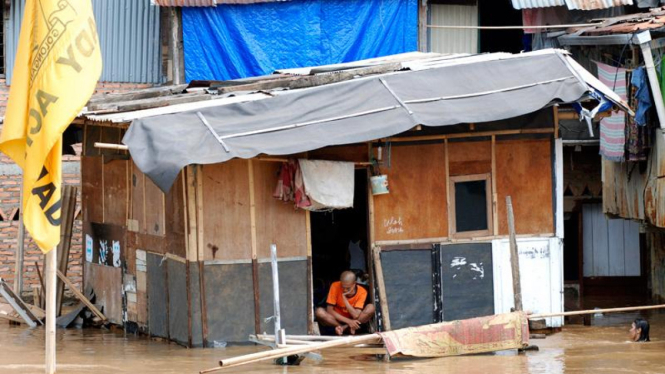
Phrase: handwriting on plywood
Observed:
(471, 271)
(534, 250)
(393, 225)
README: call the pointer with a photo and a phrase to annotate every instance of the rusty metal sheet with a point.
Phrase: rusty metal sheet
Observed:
(623, 187)
(654, 204)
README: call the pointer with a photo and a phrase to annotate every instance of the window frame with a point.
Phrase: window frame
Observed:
(452, 217)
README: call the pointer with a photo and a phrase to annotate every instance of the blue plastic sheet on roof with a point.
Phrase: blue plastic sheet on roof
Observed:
(238, 41)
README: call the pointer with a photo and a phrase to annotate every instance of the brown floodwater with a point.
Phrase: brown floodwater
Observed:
(601, 348)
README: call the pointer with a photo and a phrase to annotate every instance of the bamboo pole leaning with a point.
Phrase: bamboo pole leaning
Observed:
(594, 311)
(289, 351)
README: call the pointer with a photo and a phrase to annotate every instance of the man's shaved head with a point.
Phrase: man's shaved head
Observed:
(348, 276)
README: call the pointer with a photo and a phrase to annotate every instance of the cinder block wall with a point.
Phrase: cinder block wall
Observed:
(10, 184)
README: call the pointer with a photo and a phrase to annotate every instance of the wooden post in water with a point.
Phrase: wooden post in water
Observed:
(381, 285)
(514, 256)
(18, 268)
(51, 283)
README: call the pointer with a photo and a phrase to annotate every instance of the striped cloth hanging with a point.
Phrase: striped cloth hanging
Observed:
(612, 129)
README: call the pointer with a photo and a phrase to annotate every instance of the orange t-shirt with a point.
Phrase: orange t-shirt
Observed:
(335, 298)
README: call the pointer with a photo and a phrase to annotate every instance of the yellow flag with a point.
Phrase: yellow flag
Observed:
(57, 66)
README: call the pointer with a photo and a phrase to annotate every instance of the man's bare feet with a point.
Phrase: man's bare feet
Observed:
(339, 330)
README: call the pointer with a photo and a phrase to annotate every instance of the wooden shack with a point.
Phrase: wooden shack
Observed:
(192, 264)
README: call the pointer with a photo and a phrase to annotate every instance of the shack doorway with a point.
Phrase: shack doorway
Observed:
(340, 241)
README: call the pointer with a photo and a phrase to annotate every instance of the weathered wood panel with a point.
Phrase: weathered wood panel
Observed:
(351, 153)
(276, 222)
(115, 191)
(226, 214)
(106, 281)
(92, 195)
(524, 172)
(470, 157)
(154, 209)
(137, 185)
(415, 208)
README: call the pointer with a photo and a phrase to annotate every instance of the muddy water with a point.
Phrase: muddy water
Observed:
(602, 348)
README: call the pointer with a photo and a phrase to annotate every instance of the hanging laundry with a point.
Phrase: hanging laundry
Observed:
(285, 182)
(612, 129)
(642, 95)
(328, 184)
(638, 139)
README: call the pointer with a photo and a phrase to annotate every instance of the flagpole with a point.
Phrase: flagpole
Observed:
(51, 282)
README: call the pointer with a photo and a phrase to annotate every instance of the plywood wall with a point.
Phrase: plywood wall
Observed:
(226, 211)
(524, 171)
(416, 205)
(276, 222)
(470, 157)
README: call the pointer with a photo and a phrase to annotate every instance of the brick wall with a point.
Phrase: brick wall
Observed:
(10, 179)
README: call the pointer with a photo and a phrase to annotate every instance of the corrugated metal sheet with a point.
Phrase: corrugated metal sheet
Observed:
(654, 203)
(128, 34)
(571, 4)
(197, 3)
(454, 40)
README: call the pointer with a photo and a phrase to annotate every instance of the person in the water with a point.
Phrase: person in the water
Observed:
(639, 330)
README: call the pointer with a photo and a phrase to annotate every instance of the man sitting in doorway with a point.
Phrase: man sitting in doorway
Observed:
(346, 309)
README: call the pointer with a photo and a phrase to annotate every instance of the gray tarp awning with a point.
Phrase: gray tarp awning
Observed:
(472, 89)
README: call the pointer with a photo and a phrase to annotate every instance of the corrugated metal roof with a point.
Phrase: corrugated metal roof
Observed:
(128, 34)
(571, 4)
(200, 3)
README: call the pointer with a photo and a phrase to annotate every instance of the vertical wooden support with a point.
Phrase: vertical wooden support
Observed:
(255, 264)
(370, 226)
(310, 279)
(199, 211)
(176, 45)
(104, 194)
(422, 25)
(66, 228)
(450, 212)
(514, 256)
(191, 226)
(51, 282)
(555, 108)
(381, 285)
(20, 248)
(189, 304)
(204, 309)
(495, 198)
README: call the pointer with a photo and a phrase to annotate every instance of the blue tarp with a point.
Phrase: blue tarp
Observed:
(238, 41)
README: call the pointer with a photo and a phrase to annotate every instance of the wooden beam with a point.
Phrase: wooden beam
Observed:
(255, 264)
(468, 135)
(190, 202)
(66, 228)
(447, 167)
(80, 296)
(380, 284)
(495, 197)
(514, 256)
(422, 26)
(147, 93)
(310, 277)
(198, 172)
